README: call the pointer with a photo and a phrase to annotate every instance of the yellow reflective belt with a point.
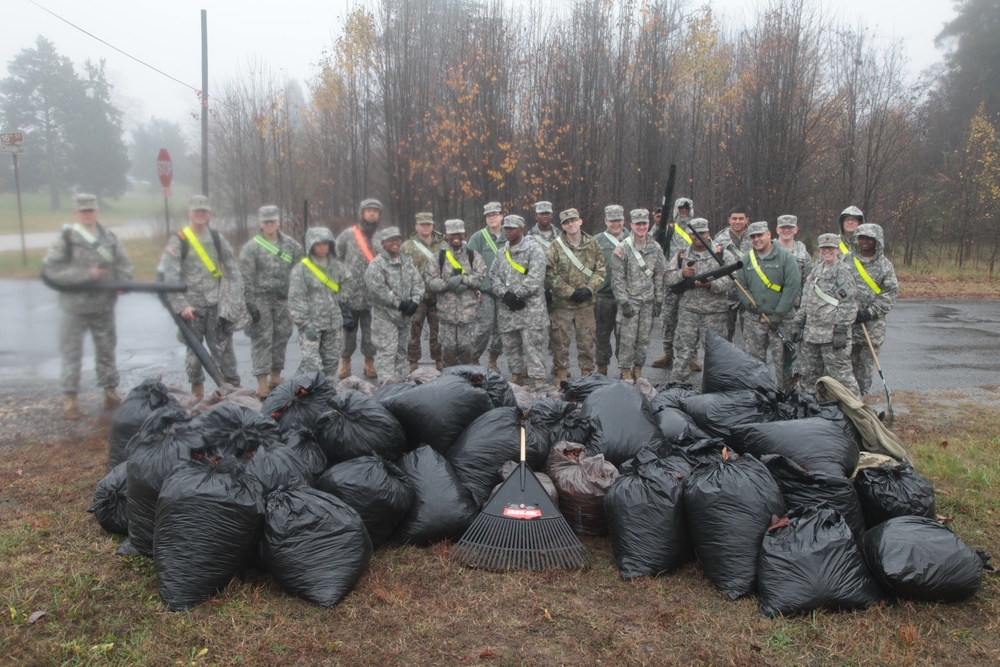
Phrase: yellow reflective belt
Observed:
(489, 240)
(273, 249)
(756, 267)
(517, 267)
(867, 278)
(196, 244)
(454, 262)
(320, 275)
(843, 247)
(684, 235)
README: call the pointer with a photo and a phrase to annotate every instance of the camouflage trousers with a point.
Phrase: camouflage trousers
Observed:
(322, 354)
(692, 329)
(390, 346)
(758, 340)
(566, 322)
(634, 334)
(862, 363)
(456, 342)
(218, 340)
(269, 335)
(430, 315)
(102, 331)
(605, 313)
(818, 359)
(671, 305)
(364, 320)
(525, 350)
(487, 329)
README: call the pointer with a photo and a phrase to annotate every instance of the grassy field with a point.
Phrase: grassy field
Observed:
(413, 606)
(39, 216)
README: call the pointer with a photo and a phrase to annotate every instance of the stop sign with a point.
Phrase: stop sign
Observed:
(164, 167)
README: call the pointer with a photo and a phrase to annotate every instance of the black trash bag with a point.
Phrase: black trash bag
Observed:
(141, 402)
(677, 427)
(719, 413)
(487, 444)
(644, 510)
(166, 438)
(671, 395)
(435, 413)
(208, 522)
(377, 490)
(803, 489)
(814, 443)
(357, 425)
(809, 560)
(495, 384)
(916, 558)
(623, 423)
(315, 545)
(110, 506)
(235, 430)
(558, 420)
(890, 491)
(687, 456)
(442, 507)
(804, 405)
(297, 403)
(729, 504)
(728, 369)
(296, 460)
(578, 390)
(392, 391)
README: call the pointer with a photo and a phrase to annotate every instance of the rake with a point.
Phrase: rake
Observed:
(520, 528)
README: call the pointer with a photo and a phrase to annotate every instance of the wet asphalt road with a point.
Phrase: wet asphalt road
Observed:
(932, 345)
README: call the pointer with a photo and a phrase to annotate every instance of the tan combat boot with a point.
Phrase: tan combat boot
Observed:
(345, 368)
(584, 372)
(517, 378)
(413, 366)
(275, 379)
(262, 387)
(198, 390)
(493, 362)
(111, 399)
(666, 361)
(626, 374)
(636, 372)
(370, 367)
(560, 376)
(71, 408)
(602, 369)
(439, 365)
(695, 365)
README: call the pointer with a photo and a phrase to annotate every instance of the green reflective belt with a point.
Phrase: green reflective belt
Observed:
(320, 275)
(638, 257)
(489, 240)
(826, 297)
(572, 258)
(92, 240)
(273, 249)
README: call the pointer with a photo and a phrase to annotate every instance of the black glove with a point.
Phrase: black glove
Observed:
(839, 336)
(797, 335)
(225, 326)
(254, 313)
(408, 307)
(453, 283)
(628, 310)
(581, 294)
(548, 298)
(657, 309)
(864, 315)
(432, 303)
(310, 333)
(510, 300)
(350, 322)
(775, 323)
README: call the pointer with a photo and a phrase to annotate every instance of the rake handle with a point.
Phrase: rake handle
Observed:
(523, 465)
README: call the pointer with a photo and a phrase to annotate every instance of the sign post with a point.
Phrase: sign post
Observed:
(11, 142)
(165, 170)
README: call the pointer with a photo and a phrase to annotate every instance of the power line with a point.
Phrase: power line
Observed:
(127, 55)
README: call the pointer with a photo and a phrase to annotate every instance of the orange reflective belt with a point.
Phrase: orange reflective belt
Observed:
(359, 236)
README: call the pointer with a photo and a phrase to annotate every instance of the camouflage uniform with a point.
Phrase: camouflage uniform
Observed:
(69, 261)
(631, 284)
(817, 320)
(805, 264)
(426, 312)
(523, 331)
(739, 247)
(390, 282)
(316, 308)
(680, 241)
(882, 273)
(457, 310)
(605, 307)
(359, 301)
(563, 278)
(487, 330)
(265, 286)
(847, 240)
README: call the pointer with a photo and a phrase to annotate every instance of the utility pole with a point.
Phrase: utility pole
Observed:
(204, 102)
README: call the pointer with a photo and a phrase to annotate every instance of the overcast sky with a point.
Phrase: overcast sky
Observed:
(291, 36)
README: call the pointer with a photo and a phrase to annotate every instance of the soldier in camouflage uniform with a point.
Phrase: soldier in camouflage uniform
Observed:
(396, 287)
(575, 271)
(823, 323)
(87, 252)
(355, 250)
(518, 275)
(543, 230)
(875, 278)
(266, 261)
(702, 307)
(317, 289)
(605, 307)
(421, 247)
(735, 240)
(788, 227)
(486, 242)
(676, 241)
(637, 269)
(850, 218)
(182, 262)
(455, 276)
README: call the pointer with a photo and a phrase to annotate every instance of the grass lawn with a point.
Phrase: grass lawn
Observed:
(39, 216)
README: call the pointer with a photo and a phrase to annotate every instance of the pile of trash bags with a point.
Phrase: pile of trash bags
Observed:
(762, 490)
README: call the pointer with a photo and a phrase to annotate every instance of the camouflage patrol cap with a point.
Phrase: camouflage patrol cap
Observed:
(454, 226)
(425, 218)
(543, 207)
(84, 202)
(199, 203)
(788, 221)
(269, 212)
(638, 215)
(569, 215)
(699, 225)
(369, 203)
(756, 228)
(513, 221)
(389, 233)
(828, 241)
(492, 207)
(614, 212)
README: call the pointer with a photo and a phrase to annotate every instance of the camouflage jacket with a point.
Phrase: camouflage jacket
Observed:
(353, 259)
(608, 244)
(883, 274)
(180, 266)
(414, 247)
(781, 270)
(699, 299)
(805, 263)
(629, 280)
(456, 307)
(530, 285)
(563, 277)
(265, 275)
(311, 302)
(817, 316)
(544, 240)
(391, 281)
(738, 246)
(70, 259)
(480, 242)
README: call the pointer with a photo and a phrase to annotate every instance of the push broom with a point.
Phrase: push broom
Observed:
(520, 528)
